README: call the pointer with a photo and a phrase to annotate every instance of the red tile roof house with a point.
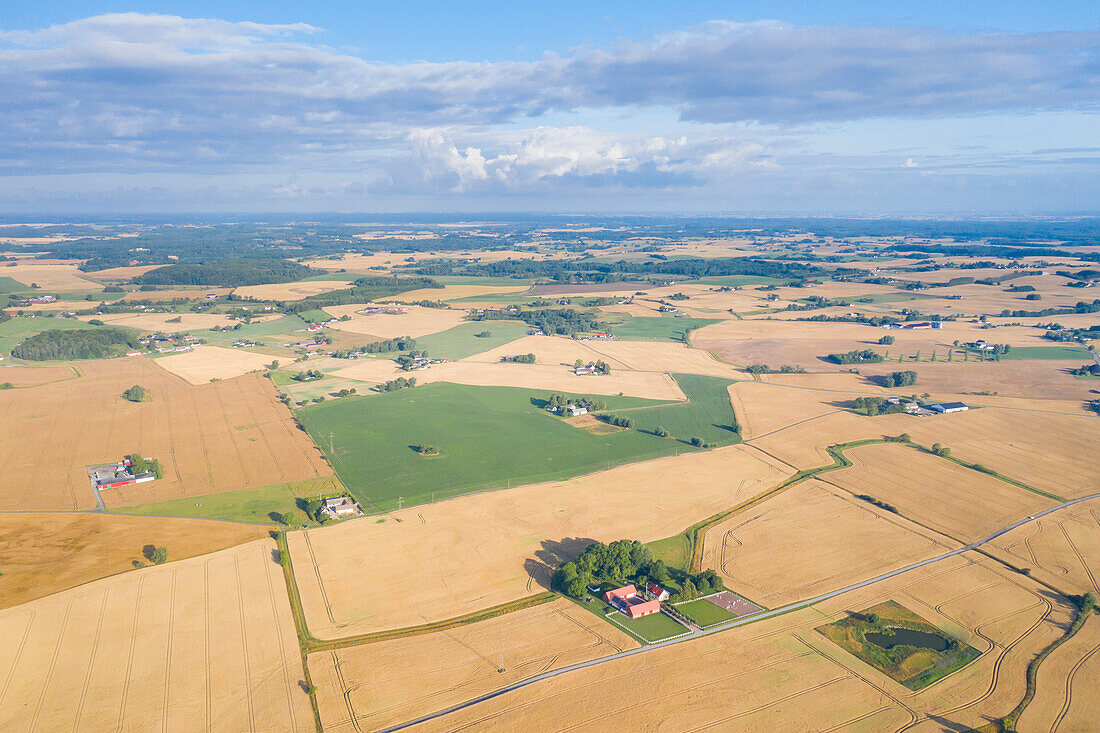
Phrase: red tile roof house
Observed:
(627, 600)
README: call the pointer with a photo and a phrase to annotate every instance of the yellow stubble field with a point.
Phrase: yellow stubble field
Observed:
(197, 645)
(1063, 548)
(959, 502)
(477, 551)
(416, 321)
(799, 544)
(372, 686)
(209, 438)
(290, 291)
(152, 322)
(810, 684)
(49, 275)
(1065, 697)
(204, 363)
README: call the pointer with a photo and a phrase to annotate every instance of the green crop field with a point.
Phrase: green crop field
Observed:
(659, 328)
(707, 413)
(254, 506)
(704, 613)
(1047, 353)
(278, 327)
(20, 327)
(462, 340)
(490, 438)
(11, 285)
(652, 628)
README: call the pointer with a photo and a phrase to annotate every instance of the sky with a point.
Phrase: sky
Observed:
(783, 107)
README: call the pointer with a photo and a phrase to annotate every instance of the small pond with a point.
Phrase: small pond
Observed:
(908, 637)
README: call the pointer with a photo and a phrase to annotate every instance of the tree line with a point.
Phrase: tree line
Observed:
(98, 343)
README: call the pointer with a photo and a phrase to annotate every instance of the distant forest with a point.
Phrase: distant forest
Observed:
(230, 273)
(99, 343)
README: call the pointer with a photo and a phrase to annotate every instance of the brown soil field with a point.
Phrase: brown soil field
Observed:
(416, 322)
(205, 363)
(956, 501)
(49, 276)
(510, 536)
(30, 376)
(652, 385)
(151, 322)
(780, 674)
(42, 554)
(210, 438)
(1050, 451)
(1062, 549)
(1065, 691)
(203, 644)
(799, 544)
(385, 683)
(290, 291)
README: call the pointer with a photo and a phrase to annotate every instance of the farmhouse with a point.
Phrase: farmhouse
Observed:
(627, 600)
(655, 592)
(342, 506)
(114, 475)
(949, 407)
(584, 370)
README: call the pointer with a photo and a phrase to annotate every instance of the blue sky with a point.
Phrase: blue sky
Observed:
(862, 108)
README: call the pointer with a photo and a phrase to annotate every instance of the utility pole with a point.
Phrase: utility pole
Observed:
(332, 443)
(501, 667)
(400, 502)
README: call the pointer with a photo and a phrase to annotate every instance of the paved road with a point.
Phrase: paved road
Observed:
(753, 618)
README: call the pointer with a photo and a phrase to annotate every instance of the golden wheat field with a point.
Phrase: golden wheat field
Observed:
(961, 503)
(197, 645)
(1063, 549)
(209, 438)
(781, 674)
(204, 364)
(798, 544)
(372, 686)
(511, 539)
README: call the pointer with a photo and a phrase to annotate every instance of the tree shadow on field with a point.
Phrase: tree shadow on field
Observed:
(148, 551)
(554, 553)
(950, 724)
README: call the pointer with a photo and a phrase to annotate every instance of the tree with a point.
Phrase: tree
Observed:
(658, 571)
(697, 442)
(887, 340)
(136, 393)
(941, 450)
(273, 365)
(287, 518)
(313, 508)
(159, 556)
(660, 432)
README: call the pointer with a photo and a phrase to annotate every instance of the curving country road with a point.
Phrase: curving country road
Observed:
(742, 621)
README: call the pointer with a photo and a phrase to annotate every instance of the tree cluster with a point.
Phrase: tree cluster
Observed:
(137, 393)
(619, 421)
(765, 369)
(873, 406)
(1088, 370)
(856, 356)
(395, 384)
(141, 464)
(520, 358)
(98, 343)
(900, 379)
(307, 376)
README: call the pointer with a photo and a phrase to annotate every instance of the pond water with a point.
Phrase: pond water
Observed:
(907, 637)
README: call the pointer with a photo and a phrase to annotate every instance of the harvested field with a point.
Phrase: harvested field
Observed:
(30, 376)
(1050, 451)
(663, 357)
(549, 350)
(120, 273)
(202, 644)
(956, 501)
(452, 292)
(651, 385)
(415, 322)
(191, 294)
(1030, 379)
(1065, 690)
(1062, 549)
(206, 363)
(50, 276)
(385, 683)
(513, 537)
(291, 291)
(152, 322)
(810, 683)
(800, 544)
(42, 554)
(803, 443)
(215, 437)
(764, 408)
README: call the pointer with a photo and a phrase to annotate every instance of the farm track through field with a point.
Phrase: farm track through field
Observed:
(1069, 688)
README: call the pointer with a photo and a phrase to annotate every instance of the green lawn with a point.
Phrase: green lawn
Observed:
(675, 551)
(251, 505)
(707, 414)
(659, 328)
(462, 341)
(1047, 352)
(13, 332)
(704, 613)
(493, 437)
(316, 315)
(652, 628)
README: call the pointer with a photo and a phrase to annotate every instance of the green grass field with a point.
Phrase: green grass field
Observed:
(704, 613)
(1047, 353)
(253, 506)
(462, 341)
(277, 327)
(675, 551)
(493, 437)
(652, 628)
(11, 285)
(20, 327)
(659, 328)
